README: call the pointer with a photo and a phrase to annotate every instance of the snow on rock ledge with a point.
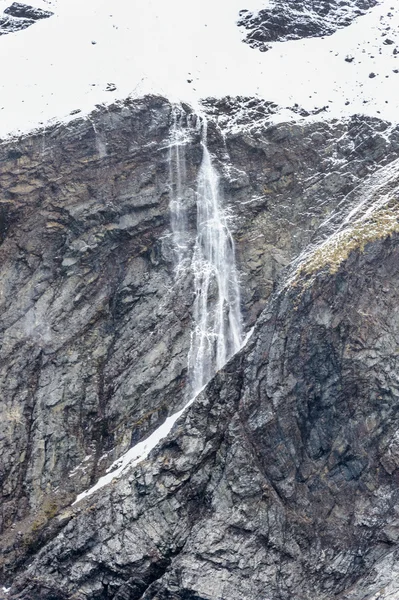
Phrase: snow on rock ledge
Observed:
(284, 20)
(19, 16)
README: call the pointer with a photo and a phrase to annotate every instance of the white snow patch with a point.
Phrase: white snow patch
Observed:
(248, 336)
(140, 451)
(65, 62)
(251, 200)
(80, 466)
(136, 454)
(374, 193)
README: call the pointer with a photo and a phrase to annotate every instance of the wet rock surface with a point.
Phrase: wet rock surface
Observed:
(284, 20)
(275, 479)
(281, 481)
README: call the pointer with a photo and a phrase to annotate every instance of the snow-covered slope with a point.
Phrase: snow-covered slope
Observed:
(283, 20)
(95, 52)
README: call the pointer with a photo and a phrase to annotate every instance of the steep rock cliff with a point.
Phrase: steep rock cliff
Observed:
(284, 20)
(280, 482)
(96, 332)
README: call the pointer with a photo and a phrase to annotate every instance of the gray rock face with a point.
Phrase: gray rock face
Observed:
(281, 480)
(274, 480)
(24, 11)
(19, 16)
(77, 258)
(296, 19)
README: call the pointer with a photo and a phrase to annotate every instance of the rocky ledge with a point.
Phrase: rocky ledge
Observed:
(19, 16)
(296, 19)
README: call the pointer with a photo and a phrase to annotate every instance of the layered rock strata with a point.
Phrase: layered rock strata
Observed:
(96, 332)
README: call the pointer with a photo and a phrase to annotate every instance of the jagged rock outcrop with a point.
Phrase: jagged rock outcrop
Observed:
(19, 16)
(280, 482)
(96, 331)
(285, 20)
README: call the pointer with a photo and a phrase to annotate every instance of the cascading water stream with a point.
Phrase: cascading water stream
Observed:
(217, 322)
(217, 327)
(177, 178)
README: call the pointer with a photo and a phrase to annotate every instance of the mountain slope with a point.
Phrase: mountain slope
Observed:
(280, 480)
(292, 20)
(159, 47)
(96, 335)
(169, 195)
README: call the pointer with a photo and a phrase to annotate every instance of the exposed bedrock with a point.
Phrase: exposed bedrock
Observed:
(20, 16)
(96, 328)
(283, 20)
(282, 480)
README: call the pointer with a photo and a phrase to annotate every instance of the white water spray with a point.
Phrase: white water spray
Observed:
(217, 322)
(217, 327)
(177, 177)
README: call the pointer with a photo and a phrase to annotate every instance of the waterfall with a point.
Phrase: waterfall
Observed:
(217, 323)
(177, 178)
(217, 326)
